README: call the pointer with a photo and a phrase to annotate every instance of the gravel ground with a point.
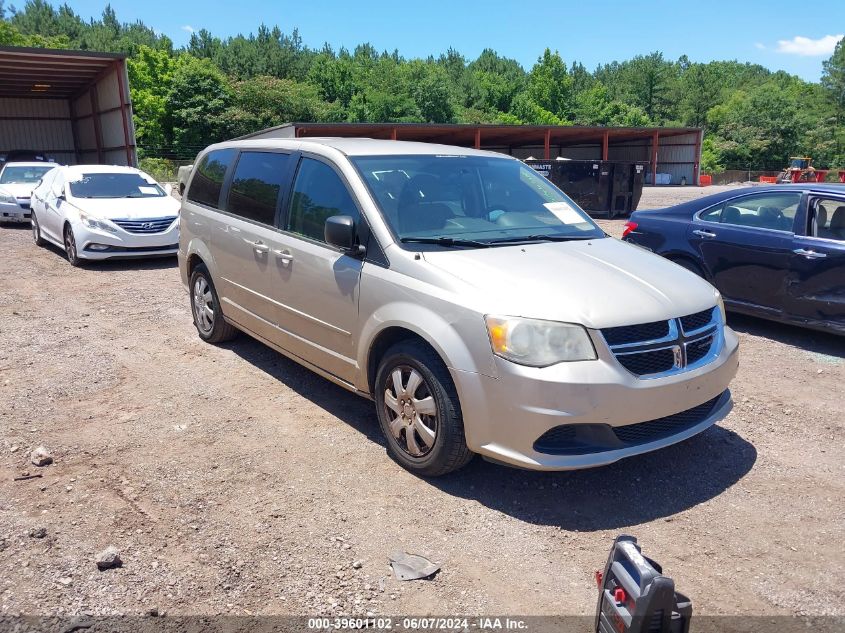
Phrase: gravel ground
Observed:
(233, 481)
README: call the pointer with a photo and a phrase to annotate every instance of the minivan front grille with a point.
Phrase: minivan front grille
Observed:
(635, 333)
(587, 438)
(661, 348)
(158, 225)
(696, 321)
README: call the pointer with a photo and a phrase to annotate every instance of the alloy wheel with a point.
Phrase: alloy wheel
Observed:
(70, 245)
(203, 305)
(412, 411)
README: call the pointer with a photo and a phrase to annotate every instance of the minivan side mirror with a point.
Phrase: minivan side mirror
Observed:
(340, 231)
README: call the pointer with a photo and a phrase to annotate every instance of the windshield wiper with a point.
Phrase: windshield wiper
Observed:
(542, 238)
(444, 241)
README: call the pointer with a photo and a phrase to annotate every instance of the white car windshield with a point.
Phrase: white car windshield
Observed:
(23, 174)
(477, 200)
(114, 185)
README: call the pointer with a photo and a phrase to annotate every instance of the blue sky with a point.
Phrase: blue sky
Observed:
(771, 33)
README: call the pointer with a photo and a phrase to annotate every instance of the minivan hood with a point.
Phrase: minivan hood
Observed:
(128, 208)
(597, 283)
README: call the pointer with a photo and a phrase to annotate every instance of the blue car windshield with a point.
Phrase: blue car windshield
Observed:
(472, 199)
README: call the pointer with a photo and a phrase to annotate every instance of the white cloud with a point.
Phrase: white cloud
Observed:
(188, 28)
(808, 47)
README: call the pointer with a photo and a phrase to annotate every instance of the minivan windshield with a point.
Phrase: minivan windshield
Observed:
(115, 185)
(470, 201)
(23, 174)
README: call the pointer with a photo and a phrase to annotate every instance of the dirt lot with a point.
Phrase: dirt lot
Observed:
(233, 481)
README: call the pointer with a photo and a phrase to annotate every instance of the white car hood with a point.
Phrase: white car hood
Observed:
(128, 208)
(597, 283)
(18, 190)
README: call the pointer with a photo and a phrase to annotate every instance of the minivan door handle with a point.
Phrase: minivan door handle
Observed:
(286, 256)
(702, 233)
(809, 254)
(258, 246)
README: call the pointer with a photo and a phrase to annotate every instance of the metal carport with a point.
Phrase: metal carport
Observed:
(73, 106)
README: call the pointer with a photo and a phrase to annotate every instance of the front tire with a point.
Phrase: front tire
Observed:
(36, 231)
(419, 412)
(205, 308)
(70, 247)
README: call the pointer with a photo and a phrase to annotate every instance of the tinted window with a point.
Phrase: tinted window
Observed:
(318, 193)
(115, 185)
(712, 215)
(829, 219)
(774, 211)
(208, 179)
(256, 185)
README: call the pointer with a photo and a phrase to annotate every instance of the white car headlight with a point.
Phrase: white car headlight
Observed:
(94, 223)
(7, 199)
(538, 343)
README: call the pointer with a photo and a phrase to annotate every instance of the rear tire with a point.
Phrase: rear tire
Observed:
(205, 308)
(36, 231)
(419, 412)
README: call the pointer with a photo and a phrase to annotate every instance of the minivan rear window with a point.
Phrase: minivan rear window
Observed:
(256, 184)
(208, 179)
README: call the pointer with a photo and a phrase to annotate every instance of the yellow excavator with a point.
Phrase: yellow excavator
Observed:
(801, 170)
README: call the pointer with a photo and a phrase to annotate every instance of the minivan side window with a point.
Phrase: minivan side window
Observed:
(256, 184)
(318, 194)
(208, 179)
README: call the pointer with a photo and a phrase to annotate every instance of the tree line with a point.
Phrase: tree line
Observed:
(216, 88)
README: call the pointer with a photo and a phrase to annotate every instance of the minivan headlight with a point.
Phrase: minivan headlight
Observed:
(721, 304)
(94, 223)
(538, 343)
(7, 199)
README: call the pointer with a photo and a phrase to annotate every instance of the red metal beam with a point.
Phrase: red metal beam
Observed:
(478, 138)
(605, 145)
(696, 170)
(547, 142)
(119, 68)
(98, 132)
(74, 130)
(393, 134)
(655, 141)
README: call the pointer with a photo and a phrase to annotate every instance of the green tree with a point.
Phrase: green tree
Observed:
(150, 76)
(199, 96)
(833, 81)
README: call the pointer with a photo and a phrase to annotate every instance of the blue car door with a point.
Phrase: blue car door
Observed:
(745, 244)
(816, 283)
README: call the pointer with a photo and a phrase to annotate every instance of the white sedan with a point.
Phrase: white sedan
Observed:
(17, 180)
(104, 211)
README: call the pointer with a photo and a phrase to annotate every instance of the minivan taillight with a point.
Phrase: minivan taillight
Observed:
(629, 228)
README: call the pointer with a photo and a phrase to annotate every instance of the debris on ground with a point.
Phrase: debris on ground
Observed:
(41, 456)
(412, 566)
(38, 532)
(108, 558)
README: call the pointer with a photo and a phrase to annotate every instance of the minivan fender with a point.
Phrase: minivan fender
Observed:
(456, 337)
(194, 250)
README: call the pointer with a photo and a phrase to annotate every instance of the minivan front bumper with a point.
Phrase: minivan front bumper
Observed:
(582, 406)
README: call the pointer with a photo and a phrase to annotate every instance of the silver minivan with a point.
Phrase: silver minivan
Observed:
(473, 301)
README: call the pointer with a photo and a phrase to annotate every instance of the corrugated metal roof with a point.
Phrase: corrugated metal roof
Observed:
(50, 73)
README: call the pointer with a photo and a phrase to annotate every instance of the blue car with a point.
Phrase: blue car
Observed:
(776, 252)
